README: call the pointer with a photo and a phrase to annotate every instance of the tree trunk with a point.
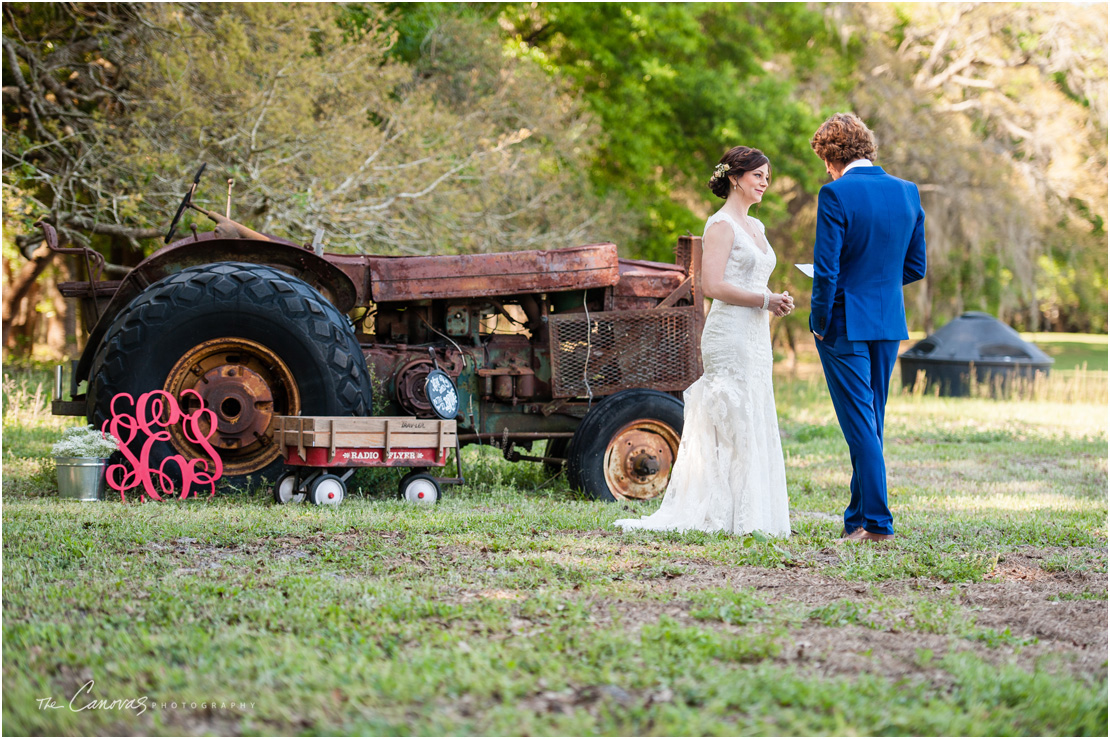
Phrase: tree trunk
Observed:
(57, 337)
(19, 303)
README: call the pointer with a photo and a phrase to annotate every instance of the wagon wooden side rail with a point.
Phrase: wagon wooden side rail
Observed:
(312, 445)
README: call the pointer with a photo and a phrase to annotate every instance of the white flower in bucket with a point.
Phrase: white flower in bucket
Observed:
(85, 441)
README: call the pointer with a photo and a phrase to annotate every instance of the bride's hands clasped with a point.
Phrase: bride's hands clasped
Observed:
(780, 304)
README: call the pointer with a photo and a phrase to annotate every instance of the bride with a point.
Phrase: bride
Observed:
(729, 473)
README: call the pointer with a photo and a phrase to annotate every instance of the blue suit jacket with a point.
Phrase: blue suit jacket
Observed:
(870, 242)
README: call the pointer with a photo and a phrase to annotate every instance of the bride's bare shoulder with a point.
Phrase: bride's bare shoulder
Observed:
(719, 232)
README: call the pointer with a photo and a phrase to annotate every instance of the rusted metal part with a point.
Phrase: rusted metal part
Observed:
(557, 461)
(410, 388)
(245, 384)
(634, 303)
(640, 279)
(639, 458)
(92, 257)
(515, 436)
(229, 229)
(206, 248)
(682, 292)
(513, 371)
(620, 350)
(483, 275)
(357, 269)
(287, 256)
(82, 289)
(245, 404)
(688, 253)
(94, 297)
(68, 407)
(399, 372)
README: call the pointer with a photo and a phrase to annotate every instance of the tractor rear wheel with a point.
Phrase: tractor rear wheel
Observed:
(253, 341)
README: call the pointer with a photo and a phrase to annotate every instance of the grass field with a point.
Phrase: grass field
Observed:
(1072, 351)
(514, 607)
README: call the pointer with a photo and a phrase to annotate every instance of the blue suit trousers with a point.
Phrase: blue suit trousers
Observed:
(858, 376)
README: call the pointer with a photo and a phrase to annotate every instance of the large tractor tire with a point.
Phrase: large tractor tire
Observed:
(253, 341)
(626, 445)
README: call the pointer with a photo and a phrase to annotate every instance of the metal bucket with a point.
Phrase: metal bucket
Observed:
(81, 478)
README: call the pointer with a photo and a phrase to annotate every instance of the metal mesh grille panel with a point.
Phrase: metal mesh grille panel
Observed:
(653, 349)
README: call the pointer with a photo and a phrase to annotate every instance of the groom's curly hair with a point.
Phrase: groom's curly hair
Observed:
(843, 139)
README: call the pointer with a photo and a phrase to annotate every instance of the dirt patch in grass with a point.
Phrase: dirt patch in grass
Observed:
(197, 556)
(1066, 608)
(1069, 636)
(851, 650)
(1020, 614)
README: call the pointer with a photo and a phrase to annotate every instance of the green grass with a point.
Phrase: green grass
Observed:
(514, 607)
(1072, 351)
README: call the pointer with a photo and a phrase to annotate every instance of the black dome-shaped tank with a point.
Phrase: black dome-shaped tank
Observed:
(997, 352)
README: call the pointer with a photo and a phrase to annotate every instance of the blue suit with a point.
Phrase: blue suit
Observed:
(870, 242)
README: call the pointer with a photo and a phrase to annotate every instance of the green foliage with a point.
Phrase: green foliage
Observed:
(433, 148)
(674, 86)
(985, 105)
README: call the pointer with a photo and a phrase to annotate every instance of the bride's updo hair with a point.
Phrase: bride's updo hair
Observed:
(735, 162)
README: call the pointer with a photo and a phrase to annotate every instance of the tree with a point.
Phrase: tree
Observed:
(1004, 127)
(317, 125)
(674, 86)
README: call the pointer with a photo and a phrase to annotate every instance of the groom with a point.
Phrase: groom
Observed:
(870, 242)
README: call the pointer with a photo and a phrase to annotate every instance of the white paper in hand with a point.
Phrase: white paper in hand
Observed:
(807, 269)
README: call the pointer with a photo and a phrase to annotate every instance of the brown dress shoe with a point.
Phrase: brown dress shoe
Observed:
(865, 535)
(845, 534)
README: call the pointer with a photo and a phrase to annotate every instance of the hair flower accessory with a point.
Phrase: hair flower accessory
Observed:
(719, 170)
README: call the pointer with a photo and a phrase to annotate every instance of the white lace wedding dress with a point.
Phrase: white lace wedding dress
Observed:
(729, 473)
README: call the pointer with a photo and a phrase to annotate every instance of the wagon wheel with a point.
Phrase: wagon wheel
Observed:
(285, 489)
(327, 490)
(252, 341)
(420, 488)
(625, 447)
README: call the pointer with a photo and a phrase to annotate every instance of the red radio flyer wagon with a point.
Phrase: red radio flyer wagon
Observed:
(316, 445)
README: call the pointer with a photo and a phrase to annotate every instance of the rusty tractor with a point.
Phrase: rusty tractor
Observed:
(574, 347)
